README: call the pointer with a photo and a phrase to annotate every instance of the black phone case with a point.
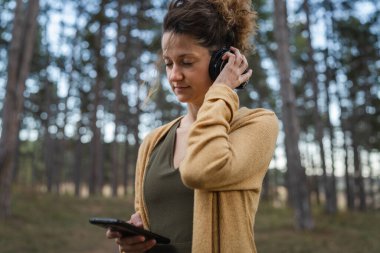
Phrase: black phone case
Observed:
(127, 229)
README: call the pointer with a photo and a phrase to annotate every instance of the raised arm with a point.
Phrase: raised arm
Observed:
(227, 149)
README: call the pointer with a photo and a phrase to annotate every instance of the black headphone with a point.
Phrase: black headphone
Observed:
(217, 64)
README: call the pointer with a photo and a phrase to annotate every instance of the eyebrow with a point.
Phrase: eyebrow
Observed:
(181, 55)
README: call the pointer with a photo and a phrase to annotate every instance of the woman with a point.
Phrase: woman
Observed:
(199, 177)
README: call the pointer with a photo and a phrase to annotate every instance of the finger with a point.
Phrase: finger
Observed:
(112, 234)
(136, 220)
(229, 56)
(130, 240)
(238, 58)
(245, 77)
(121, 250)
(244, 65)
(139, 247)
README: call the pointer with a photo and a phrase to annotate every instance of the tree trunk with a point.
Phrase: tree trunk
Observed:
(77, 171)
(298, 191)
(96, 178)
(349, 191)
(60, 141)
(126, 167)
(265, 193)
(96, 146)
(333, 205)
(48, 142)
(276, 175)
(19, 58)
(330, 206)
(330, 77)
(48, 161)
(359, 182)
(371, 181)
(350, 186)
(120, 56)
(16, 166)
(315, 178)
(69, 68)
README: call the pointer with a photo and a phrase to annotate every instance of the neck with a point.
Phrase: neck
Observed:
(192, 111)
(191, 115)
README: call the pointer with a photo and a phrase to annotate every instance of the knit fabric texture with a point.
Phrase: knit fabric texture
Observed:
(228, 153)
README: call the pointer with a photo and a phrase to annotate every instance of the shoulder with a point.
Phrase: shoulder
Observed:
(245, 113)
(258, 117)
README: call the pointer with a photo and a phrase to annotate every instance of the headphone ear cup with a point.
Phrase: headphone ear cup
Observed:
(216, 63)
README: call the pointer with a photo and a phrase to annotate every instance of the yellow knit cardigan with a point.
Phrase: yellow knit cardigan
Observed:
(229, 151)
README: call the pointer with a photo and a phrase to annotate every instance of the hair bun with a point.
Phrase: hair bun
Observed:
(240, 19)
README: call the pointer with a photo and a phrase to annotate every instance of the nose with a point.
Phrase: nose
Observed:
(175, 74)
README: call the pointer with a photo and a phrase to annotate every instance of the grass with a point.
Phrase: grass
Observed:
(43, 223)
(47, 223)
(344, 232)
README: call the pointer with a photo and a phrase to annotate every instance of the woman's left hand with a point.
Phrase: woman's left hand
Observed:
(233, 74)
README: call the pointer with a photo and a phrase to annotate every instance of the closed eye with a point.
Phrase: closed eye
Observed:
(187, 63)
(168, 64)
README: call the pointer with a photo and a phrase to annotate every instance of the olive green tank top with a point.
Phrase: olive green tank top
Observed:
(169, 202)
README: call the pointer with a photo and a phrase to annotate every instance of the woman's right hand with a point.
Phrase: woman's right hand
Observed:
(131, 244)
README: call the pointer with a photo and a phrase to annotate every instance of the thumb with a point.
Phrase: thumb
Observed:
(136, 220)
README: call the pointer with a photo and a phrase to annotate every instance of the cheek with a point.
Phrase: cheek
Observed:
(168, 73)
(204, 75)
(206, 79)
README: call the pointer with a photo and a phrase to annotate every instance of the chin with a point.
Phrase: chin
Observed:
(183, 99)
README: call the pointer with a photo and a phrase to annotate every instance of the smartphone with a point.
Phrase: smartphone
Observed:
(127, 229)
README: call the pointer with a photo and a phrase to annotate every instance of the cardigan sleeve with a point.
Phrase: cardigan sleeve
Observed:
(141, 157)
(219, 158)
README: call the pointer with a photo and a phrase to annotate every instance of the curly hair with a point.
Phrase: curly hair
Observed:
(213, 23)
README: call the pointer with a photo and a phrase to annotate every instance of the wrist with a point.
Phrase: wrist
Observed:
(223, 84)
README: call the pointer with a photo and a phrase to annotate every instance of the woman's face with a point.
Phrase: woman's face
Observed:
(186, 67)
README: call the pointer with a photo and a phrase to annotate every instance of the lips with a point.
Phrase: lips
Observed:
(181, 87)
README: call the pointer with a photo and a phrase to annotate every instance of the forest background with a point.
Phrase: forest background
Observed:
(82, 83)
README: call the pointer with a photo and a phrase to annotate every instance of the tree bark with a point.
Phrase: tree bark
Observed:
(69, 68)
(19, 58)
(371, 181)
(127, 165)
(120, 58)
(314, 178)
(298, 191)
(359, 182)
(77, 173)
(48, 147)
(330, 205)
(48, 142)
(96, 177)
(349, 186)
(330, 78)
